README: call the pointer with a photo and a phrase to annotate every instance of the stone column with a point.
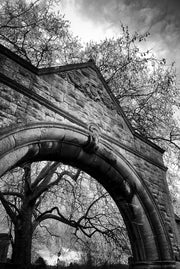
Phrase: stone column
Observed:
(4, 244)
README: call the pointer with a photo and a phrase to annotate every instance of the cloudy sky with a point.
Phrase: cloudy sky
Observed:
(97, 19)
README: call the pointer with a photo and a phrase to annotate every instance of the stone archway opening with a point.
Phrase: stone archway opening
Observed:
(78, 215)
(54, 142)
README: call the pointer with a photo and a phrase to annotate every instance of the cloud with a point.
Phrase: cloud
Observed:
(97, 19)
(160, 17)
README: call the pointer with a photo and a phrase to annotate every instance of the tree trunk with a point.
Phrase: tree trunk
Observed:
(23, 240)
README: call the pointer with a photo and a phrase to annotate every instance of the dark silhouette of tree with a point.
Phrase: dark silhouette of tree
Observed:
(44, 191)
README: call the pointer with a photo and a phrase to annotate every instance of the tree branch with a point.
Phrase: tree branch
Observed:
(44, 186)
(48, 215)
(46, 170)
(13, 193)
(8, 209)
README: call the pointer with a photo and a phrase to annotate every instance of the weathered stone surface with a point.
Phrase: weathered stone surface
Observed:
(77, 96)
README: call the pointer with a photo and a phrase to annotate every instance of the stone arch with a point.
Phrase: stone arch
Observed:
(149, 239)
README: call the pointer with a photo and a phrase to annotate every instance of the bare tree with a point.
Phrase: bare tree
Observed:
(37, 192)
(36, 32)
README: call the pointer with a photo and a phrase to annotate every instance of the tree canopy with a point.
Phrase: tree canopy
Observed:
(36, 32)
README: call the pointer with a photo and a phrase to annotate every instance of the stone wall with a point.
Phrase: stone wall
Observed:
(78, 95)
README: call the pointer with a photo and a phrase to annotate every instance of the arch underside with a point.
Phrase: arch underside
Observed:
(150, 243)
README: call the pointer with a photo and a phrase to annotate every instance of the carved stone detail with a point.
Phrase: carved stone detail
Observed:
(93, 138)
